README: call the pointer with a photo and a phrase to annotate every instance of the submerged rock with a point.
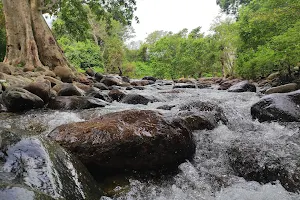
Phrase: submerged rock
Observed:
(166, 107)
(200, 115)
(116, 94)
(196, 85)
(18, 100)
(278, 107)
(267, 162)
(150, 78)
(75, 102)
(34, 162)
(137, 99)
(99, 95)
(131, 139)
(243, 86)
(184, 85)
(142, 83)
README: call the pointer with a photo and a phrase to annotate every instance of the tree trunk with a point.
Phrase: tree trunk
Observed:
(30, 42)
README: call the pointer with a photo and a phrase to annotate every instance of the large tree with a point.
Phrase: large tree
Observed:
(30, 42)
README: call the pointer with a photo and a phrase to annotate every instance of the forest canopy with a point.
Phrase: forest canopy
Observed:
(262, 37)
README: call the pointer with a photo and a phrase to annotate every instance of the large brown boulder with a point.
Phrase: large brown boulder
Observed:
(18, 100)
(131, 139)
(41, 88)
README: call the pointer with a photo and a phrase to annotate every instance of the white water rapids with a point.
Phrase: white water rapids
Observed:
(208, 176)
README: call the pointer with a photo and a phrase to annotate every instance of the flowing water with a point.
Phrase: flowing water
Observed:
(209, 175)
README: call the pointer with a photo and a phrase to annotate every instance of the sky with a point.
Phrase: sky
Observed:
(173, 15)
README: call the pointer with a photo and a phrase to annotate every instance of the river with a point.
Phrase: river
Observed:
(209, 176)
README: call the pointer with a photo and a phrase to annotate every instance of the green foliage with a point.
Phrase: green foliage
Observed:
(137, 69)
(183, 54)
(269, 31)
(231, 6)
(227, 38)
(79, 52)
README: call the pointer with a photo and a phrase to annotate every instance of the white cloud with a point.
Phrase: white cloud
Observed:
(173, 15)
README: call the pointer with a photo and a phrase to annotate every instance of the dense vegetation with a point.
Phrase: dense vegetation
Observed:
(263, 37)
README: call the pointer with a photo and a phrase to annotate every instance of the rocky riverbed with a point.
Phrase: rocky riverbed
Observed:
(148, 139)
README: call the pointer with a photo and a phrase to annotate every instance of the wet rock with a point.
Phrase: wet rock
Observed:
(68, 89)
(125, 79)
(116, 95)
(266, 162)
(225, 84)
(131, 139)
(139, 87)
(98, 76)
(166, 107)
(41, 165)
(101, 86)
(283, 107)
(200, 115)
(142, 83)
(100, 95)
(17, 192)
(41, 88)
(184, 86)
(18, 100)
(90, 72)
(210, 80)
(111, 80)
(137, 99)
(75, 102)
(283, 88)
(243, 86)
(129, 88)
(150, 78)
